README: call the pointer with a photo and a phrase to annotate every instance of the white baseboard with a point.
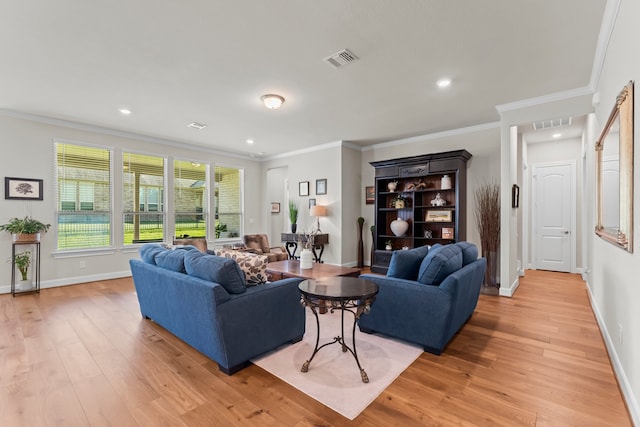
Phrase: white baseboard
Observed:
(508, 292)
(5, 289)
(627, 392)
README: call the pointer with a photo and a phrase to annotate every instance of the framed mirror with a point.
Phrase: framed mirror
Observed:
(614, 174)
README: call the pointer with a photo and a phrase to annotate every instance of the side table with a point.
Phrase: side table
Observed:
(350, 294)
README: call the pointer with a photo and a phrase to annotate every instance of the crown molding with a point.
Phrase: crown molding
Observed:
(604, 37)
(119, 133)
(432, 136)
(311, 150)
(540, 100)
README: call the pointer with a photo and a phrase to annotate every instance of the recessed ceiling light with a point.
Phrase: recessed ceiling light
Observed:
(250, 141)
(556, 135)
(443, 82)
(125, 111)
(272, 101)
(196, 125)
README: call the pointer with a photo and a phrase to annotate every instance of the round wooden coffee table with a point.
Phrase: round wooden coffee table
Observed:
(350, 294)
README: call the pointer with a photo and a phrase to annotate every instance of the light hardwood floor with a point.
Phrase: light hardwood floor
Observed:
(82, 355)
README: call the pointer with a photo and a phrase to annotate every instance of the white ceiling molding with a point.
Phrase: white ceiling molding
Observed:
(540, 100)
(119, 133)
(432, 136)
(606, 29)
(309, 150)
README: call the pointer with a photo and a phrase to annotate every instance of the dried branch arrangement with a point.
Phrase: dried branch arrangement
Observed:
(487, 216)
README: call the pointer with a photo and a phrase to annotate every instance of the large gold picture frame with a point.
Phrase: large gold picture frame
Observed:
(614, 167)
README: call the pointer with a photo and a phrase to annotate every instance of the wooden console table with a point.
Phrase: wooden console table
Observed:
(291, 240)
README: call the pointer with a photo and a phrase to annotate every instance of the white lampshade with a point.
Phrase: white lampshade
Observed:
(318, 210)
(272, 101)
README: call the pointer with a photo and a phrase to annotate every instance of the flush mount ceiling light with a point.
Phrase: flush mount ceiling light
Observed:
(442, 83)
(250, 141)
(124, 111)
(272, 101)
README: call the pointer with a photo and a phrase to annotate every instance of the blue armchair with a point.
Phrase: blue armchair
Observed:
(427, 295)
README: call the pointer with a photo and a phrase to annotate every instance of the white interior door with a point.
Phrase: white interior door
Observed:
(553, 211)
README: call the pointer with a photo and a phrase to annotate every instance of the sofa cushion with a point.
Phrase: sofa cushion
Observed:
(148, 252)
(171, 260)
(469, 252)
(439, 263)
(224, 271)
(254, 266)
(405, 264)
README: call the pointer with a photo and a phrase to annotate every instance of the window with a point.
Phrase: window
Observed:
(228, 197)
(143, 198)
(190, 198)
(83, 196)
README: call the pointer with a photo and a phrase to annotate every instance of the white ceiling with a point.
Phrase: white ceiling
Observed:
(176, 62)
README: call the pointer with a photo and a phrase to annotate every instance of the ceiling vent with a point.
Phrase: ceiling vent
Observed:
(552, 123)
(196, 125)
(341, 58)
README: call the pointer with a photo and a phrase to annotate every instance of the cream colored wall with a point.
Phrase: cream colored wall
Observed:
(352, 202)
(310, 165)
(28, 153)
(613, 279)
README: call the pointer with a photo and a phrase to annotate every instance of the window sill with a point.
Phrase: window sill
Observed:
(75, 253)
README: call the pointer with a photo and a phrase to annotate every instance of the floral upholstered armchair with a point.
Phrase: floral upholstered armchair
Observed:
(259, 244)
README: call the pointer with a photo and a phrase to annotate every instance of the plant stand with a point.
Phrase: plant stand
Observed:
(35, 265)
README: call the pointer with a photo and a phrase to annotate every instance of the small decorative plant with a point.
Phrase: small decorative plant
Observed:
(23, 261)
(293, 212)
(398, 202)
(388, 245)
(26, 225)
(220, 228)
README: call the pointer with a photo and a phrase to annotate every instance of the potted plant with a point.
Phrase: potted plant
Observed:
(25, 229)
(399, 202)
(293, 216)
(220, 228)
(23, 261)
(388, 245)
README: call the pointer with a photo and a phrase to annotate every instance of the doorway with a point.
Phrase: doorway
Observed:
(553, 216)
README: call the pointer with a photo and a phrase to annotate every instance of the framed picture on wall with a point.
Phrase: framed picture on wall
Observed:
(312, 202)
(22, 189)
(275, 207)
(303, 188)
(369, 195)
(321, 186)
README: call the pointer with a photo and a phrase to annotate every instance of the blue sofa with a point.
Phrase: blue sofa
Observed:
(427, 295)
(204, 300)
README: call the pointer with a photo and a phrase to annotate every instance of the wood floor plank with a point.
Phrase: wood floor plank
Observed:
(83, 355)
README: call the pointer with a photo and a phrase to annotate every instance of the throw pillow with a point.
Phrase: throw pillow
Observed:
(171, 260)
(148, 252)
(404, 265)
(439, 263)
(469, 252)
(254, 266)
(224, 271)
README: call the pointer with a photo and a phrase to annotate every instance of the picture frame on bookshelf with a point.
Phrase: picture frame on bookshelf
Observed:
(438, 216)
(447, 232)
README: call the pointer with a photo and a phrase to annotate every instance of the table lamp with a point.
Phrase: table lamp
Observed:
(318, 211)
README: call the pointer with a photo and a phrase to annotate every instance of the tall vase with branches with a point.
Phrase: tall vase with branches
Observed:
(487, 216)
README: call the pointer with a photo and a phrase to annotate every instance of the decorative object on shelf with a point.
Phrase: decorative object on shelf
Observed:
(293, 215)
(321, 186)
(399, 202)
(275, 207)
(318, 211)
(487, 216)
(399, 227)
(392, 185)
(428, 234)
(369, 195)
(418, 185)
(438, 216)
(438, 201)
(387, 245)
(25, 229)
(360, 243)
(303, 188)
(447, 233)
(22, 189)
(445, 183)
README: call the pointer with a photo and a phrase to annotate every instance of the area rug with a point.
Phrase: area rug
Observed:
(333, 378)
